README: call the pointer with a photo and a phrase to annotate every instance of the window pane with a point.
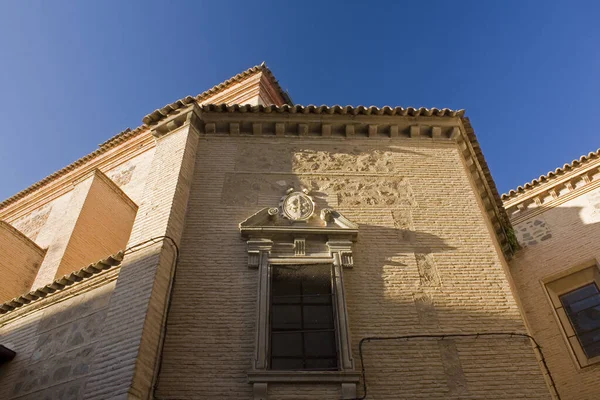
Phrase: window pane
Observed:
(286, 344)
(321, 363)
(578, 294)
(286, 363)
(583, 309)
(318, 317)
(584, 304)
(319, 344)
(302, 318)
(586, 320)
(286, 317)
(591, 343)
(285, 282)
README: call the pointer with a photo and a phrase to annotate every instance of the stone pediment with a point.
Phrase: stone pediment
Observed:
(271, 221)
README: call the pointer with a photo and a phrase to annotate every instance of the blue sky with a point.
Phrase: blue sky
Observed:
(73, 74)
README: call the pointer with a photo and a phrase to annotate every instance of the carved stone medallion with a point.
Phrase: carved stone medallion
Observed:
(297, 206)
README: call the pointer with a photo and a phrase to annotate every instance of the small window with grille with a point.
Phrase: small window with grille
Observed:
(302, 321)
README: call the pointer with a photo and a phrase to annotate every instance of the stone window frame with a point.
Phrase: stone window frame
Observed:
(261, 238)
(565, 282)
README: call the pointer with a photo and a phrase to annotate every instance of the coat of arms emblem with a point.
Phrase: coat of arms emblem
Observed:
(297, 206)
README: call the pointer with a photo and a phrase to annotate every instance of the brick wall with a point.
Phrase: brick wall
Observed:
(424, 263)
(556, 240)
(20, 259)
(102, 226)
(55, 341)
(50, 223)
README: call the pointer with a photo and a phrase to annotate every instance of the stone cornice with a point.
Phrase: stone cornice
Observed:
(311, 122)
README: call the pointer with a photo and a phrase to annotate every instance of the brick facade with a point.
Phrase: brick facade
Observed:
(424, 263)
(429, 257)
(558, 226)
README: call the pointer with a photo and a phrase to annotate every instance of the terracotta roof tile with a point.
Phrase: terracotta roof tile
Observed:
(62, 282)
(337, 109)
(551, 175)
(161, 113)
(129, 133)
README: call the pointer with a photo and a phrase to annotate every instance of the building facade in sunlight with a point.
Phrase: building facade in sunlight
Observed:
(268, 251)
(557, 222)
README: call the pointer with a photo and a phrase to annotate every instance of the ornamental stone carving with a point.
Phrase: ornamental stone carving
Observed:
(297, 206)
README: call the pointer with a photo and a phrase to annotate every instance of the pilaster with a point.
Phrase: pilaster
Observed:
(126, 358)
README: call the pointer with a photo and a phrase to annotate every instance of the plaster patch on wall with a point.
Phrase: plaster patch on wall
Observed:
(240, 189)
(32, 223)
(367, 191)
(122, 175)
(269, 158)
(594, 200)
(261, 157)
(533, 231)
(426, 310)
(338, 159)
(403, 221)
(455, 376)
(427, 269)
(332, 191)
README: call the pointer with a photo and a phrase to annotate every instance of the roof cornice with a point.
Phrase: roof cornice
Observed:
(555, 188)
(128, 133)
(575, 167)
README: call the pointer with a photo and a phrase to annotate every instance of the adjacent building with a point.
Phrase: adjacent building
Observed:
(556, 219)
(238, 246)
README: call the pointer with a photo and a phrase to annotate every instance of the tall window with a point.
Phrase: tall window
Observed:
(302, 325)
(576, 300)
(582, 306)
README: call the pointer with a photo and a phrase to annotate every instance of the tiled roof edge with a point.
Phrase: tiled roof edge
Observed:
(63, 282)
(336, 109)
(551, 175)
(503, 216)
(103, 148)
(129, 133)
(161, 113)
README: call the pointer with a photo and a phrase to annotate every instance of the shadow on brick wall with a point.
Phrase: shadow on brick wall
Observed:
(55, 347)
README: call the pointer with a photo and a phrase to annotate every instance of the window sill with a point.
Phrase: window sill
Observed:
(303, 376)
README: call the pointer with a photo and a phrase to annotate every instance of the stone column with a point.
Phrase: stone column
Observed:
(125, 360)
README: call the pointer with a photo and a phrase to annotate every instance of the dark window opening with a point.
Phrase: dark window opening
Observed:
(6, 354)
(582, 306)
(302, 319)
